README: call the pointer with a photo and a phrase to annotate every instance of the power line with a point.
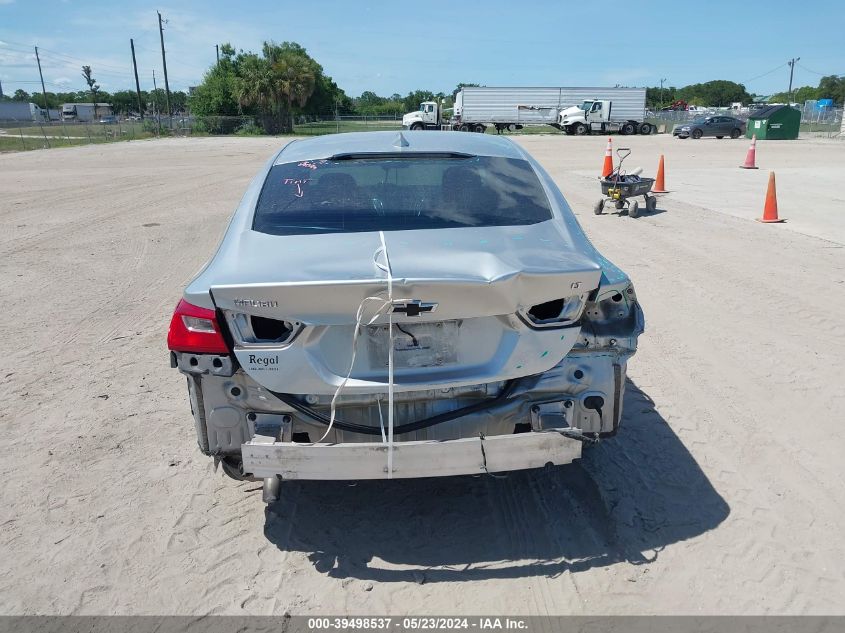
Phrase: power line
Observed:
(83, 61)
(765, 74)
(816, 73)
(61, 58)
(58, 60)
(49, 83)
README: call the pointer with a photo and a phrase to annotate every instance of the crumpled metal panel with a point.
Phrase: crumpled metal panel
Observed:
(321, 279)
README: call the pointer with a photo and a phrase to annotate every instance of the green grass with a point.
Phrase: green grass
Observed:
(57, 135)
(9, 143)
(133, 129)
(822, 128)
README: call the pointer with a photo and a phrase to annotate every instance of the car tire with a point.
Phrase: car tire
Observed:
(650, 203)
(697, 134)
(628, 128)
(417, 126)
(579, 129)
(634, 209)
(645, 129)
(736, 133)
(599, 207)
(464, 127)
(619, 204)
(479, 129)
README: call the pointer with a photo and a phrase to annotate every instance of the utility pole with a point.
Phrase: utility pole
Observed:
(791, 70)
(1, 89)
(337, 114)
(217, 49)
(164, 64)
(43, 89)
(137, 84)
(661, 93)
(155, 102)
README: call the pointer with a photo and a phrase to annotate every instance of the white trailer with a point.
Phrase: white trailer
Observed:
(512, 108)
(506, 108)
(85, 112)
(21, 111)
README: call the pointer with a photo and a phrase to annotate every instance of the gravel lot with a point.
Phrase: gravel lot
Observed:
(723, 492)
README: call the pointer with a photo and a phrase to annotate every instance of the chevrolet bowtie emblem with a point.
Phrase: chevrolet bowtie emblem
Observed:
(414, 307)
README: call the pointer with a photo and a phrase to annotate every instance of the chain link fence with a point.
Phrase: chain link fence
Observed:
(18, 135)
(29, 135)
(814, 122)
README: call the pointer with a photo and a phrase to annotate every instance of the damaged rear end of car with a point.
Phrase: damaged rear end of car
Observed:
(387, 306)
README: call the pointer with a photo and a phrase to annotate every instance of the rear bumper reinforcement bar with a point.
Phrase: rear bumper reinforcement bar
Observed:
(368, 460)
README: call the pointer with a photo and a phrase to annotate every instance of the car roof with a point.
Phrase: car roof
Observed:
(399, 142)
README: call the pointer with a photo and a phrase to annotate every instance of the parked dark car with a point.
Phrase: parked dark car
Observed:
(716, 125)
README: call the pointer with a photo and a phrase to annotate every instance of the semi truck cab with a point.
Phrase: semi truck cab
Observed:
(582, 119)
(597, 115)
(427, 117)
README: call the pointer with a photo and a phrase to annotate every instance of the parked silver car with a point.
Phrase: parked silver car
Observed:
(716, 125)
(403, 305)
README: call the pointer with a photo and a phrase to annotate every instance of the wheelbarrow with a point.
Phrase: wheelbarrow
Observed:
(618, 187)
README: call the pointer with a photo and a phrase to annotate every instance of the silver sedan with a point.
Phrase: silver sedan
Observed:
(403, 305)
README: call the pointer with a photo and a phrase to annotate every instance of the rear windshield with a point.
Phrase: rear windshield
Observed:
(393, 193)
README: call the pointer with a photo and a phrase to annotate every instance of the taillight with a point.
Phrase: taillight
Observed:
(195, 329)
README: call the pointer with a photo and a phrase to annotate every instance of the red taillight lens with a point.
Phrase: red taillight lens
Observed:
(195, 329)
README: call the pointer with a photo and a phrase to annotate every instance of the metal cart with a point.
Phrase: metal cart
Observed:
(618, 188)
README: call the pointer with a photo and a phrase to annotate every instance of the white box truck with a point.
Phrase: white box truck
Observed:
(573, 110)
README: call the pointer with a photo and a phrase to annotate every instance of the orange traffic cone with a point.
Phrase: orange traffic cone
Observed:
(659, 186)
(607, 168)
(751, 155)
(770, 211)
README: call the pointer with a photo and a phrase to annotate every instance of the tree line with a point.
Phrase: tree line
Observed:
(721, 93)
(830, 87)
(122, 101)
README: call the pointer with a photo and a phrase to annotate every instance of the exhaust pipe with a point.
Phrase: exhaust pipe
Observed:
(272, 488)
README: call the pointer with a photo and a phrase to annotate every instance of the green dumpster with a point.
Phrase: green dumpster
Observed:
(778, 122)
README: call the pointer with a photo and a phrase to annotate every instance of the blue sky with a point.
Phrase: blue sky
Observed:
(397, 46)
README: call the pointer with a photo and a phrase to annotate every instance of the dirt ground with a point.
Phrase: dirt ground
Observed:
(723, 493)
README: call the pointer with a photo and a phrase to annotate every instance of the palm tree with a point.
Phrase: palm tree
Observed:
(275, 83)
(295, 80)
